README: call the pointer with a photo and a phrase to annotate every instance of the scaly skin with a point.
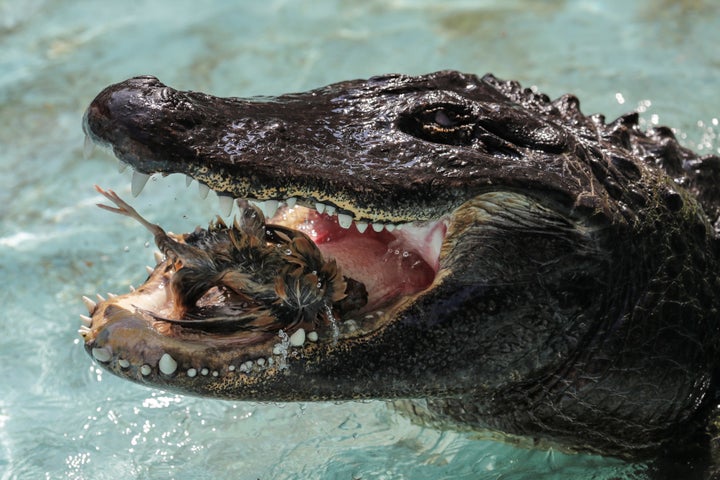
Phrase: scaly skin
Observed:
(575, 292)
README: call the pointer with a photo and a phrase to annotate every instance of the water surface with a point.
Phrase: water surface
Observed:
(63, 418)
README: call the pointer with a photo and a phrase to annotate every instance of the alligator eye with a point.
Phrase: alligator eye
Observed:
(442, 118)
(449, 124)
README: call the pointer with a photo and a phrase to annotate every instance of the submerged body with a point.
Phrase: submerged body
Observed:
(495, 260)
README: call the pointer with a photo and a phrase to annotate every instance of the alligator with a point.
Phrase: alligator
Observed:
(484, 257)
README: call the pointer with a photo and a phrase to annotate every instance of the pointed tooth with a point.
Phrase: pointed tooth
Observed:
(139, 180)
(149, 269)
(259, 204)
(203, 189)
(436, 242)
(167, 364)
(122, 166)
(188, 180)
(320, 207)
(226, 205)
(297, 339)
(102, 354)
(86, 321)
(100, 297)
(159, 257)
(330, 210)
(344, 220)
(84, 330)
(88, 147)
(361, 226)
(269, 207)
(111, 295)
(389, 227)
(91, 305)
(132, 288)
(291, 201)
(377, 227)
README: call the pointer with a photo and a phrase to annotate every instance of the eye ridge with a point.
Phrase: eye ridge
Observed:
(440, 123)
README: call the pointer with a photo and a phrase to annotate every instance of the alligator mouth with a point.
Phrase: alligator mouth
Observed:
(286, 280)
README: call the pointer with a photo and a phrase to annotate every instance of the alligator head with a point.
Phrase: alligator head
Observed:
(497, 259)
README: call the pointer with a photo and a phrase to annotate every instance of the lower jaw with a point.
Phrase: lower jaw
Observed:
(134, 345)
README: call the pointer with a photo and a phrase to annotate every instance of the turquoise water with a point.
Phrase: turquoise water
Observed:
(63, 418)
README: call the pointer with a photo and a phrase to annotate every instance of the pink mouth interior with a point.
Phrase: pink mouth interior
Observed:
(389, 264)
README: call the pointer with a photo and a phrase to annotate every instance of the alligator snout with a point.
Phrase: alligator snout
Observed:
(120, 107)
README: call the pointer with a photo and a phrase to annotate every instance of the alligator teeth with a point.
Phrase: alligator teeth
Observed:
(226, 204)
(291, 201)
(320, 207)
(330, 210)
(268, 207)
(188, 180)
(86, 321)
(139, 180)
(100, 297)
(91, 306)
(88, 147)
(389, 227)
(436, 243)
(101, 354)
(167, 364)
(297, 339)
(361, 226)
(203, 189)
(271, 207)
(122, 166)
(344, 220)
(159, 257)
(377, 227)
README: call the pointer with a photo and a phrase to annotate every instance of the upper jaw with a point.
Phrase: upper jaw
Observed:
(277, 149)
